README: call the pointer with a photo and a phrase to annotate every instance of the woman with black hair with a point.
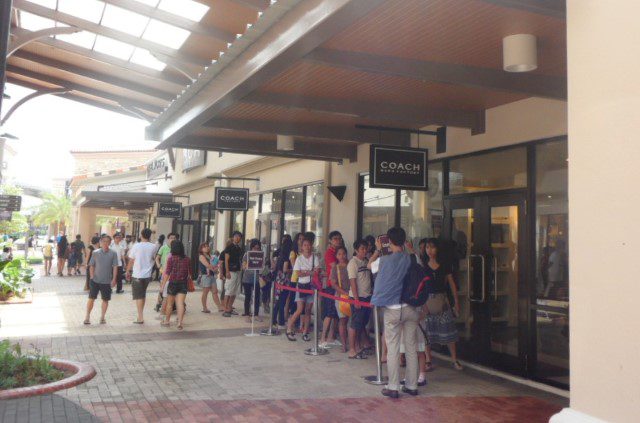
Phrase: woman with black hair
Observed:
(250, 280)
(62, 253)
(177, 271)
(283, 274)
(441, 326)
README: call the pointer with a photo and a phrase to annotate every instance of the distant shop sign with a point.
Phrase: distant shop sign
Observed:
(398, 168)
(232, 199)
(171, 210)
(157, 167)
(10, 203)
(193, 158)
(138, 216)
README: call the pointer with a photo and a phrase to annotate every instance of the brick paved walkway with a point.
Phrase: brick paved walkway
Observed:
(211, 372)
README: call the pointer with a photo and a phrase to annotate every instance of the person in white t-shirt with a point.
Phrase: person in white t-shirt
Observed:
(139, 270)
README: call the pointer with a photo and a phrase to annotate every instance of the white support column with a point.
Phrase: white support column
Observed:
(604, 151)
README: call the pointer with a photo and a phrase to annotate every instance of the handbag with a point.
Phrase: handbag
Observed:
(191, 287)
(344, 307)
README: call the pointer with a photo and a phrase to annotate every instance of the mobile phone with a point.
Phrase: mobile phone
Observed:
(385, 245)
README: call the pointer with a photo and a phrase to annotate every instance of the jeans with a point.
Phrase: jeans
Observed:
(248, 297)
(119, 277)
(403, 322)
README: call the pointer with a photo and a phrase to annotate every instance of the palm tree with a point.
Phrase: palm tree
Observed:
(54, 210)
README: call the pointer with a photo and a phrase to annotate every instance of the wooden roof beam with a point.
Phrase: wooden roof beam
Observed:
(65, 18)
(178, 81)
(257, 5)
(553, 8)
(97, 76)
(312, 131)
(380, 111)
(82, 88)
(175, 20)
(535, 85)
(302, 150)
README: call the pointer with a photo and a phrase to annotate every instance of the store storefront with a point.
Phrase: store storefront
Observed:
(506, 211)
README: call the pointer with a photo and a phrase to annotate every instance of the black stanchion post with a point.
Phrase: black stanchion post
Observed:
(377, 379)
(271, 331)
(315, 350)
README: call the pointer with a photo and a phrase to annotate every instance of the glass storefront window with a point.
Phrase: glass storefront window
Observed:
(378, 209)
(313, 214)
(492, 171)
(552, 265)
(293, 211)
(252, 215)
(421, 212)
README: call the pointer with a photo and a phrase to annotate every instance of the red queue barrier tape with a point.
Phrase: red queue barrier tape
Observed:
(324, 294)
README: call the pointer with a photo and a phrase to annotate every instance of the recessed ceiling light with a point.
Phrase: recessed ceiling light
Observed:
(113, 47)
(186, 8)
(165, 34)
(123, 20)
(90, 10)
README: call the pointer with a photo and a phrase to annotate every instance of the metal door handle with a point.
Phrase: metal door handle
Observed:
(474, 300)
(495, 279)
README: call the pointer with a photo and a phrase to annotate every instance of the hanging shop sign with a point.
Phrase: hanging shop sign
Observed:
(5, 216)
(232, 198)
(255, 260)
(157, 167)
(137, 216)
(10, 203)
(193, 158)
(398, 167)
(171, 210)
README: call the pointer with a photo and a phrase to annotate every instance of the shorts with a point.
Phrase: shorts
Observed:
(72, 261)
(207, 281)
(220, 284)
(139, 288)
(103, 288)
(301, 296)
(420, 341)
(232, 285)
(329, 305)
(47, 258)
(175, 288)
(360, 318)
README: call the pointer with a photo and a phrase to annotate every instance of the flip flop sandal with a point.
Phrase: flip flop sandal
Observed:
(306, 337)
(291, 336)
(206, 311)
(358, 356)
(86, 322)
(165, 325)
(103, 322)
(429, 366)
(138, 323)
(180, 327)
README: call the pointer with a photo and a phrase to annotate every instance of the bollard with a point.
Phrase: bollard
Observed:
(315, 350)
(377, 379)
(270, 331)
(253, 306)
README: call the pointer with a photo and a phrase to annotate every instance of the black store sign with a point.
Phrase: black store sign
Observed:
(172, 210)
(232, 199)
(255, 260)
(398, 168)
(10, 203)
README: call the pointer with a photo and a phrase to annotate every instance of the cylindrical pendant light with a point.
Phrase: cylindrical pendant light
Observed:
(285, 143)
(519, 53)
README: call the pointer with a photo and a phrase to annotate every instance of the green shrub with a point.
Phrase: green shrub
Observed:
(18, 370)
(13, 275)
(35, 260)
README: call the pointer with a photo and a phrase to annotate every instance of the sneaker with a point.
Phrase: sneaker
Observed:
(406, 390)
(235, 313)
(306, 337)
(390, 393)
(336, 343)
(325, 345)
(226, 314)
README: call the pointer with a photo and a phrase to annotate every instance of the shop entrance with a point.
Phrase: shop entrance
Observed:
(189, 231)
(489, 238)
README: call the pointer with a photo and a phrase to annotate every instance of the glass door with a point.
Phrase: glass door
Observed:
(487, 236)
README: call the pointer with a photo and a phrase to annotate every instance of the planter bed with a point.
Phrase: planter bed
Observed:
(79, 373)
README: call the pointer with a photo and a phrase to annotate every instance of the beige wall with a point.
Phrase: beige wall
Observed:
(96, 161)
(604, 99)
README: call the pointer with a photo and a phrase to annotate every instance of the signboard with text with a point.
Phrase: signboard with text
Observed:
(157, 167)
(193, 158)
(5, 216)
(171, 210)
(232, 199)
(398, 168)
(10, 203)
(137, 216)
(255, 260)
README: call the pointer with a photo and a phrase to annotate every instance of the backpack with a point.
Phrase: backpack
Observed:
(414, 285)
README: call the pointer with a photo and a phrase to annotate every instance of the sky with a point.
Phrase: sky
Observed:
(49, 127)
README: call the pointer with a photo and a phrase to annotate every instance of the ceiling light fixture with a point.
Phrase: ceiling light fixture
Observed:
(285, 143)
(519, 53)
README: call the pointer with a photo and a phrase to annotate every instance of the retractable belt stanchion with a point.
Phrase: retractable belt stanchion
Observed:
(377, 379)
(253, 306)
(315, 350)
(271, 331)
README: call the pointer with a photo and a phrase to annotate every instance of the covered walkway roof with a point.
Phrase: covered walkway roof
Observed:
(321, 69)
(129, 56)
(122, 200)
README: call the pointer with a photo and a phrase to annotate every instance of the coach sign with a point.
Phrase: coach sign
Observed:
(398, 168)
(172, 210)
(232, 199)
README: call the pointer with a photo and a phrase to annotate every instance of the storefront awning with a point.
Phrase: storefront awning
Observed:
(122, 200)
